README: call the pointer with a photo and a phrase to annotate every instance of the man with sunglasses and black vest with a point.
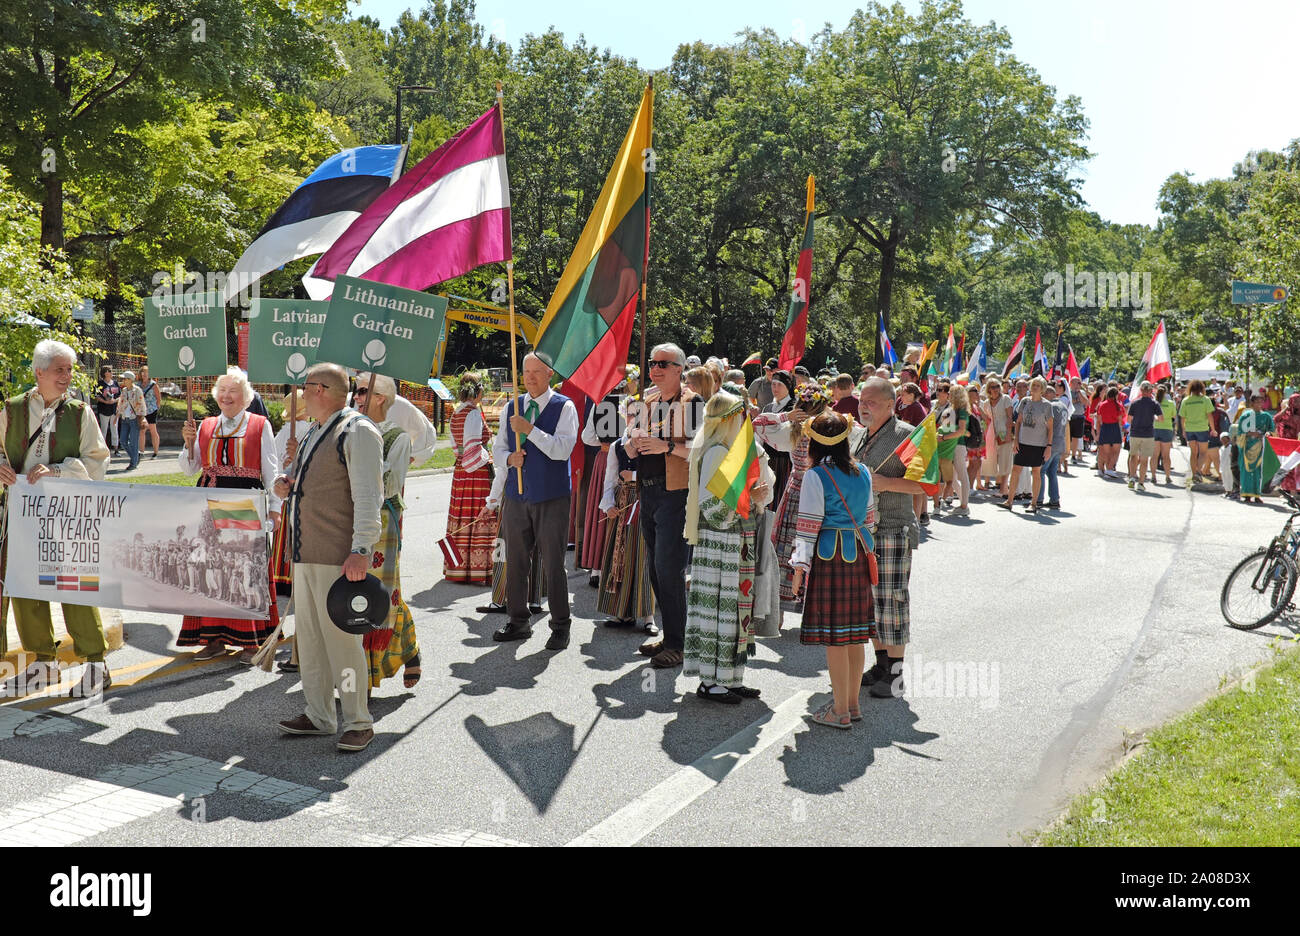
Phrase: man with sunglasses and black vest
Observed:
(659, 438)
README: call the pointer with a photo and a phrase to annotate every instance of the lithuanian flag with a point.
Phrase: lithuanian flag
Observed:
(919, 455)
(738, 472)
(234, 515)
(588, 322)
(795, 341)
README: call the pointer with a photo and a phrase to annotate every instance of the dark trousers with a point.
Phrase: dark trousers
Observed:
(541, 528)
(663, 526)
(1236, 470)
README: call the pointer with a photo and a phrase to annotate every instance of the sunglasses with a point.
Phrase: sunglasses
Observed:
(360, 391)
(660, 365)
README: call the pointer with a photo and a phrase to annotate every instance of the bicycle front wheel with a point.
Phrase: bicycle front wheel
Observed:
(1258, 589)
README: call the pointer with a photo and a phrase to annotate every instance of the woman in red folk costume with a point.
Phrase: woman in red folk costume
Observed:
(233, 450)
(470, 483)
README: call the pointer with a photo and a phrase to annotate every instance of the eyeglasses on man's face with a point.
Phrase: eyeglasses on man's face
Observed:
(312, 383)
(660, 365)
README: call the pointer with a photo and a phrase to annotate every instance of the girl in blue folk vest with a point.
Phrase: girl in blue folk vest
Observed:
(834, 552)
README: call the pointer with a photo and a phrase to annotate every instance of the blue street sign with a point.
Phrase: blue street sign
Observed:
(1244, 293)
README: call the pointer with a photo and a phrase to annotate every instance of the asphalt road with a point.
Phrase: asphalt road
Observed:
(1041, 647)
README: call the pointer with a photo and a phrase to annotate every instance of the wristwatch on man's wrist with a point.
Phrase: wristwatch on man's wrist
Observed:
(361, 551)
(671, 445)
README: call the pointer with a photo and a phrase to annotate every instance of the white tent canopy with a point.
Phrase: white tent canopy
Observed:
(1207, 368)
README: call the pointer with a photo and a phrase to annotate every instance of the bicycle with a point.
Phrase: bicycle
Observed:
(1261, 586)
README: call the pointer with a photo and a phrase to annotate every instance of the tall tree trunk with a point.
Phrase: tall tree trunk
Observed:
(52, 205)
(52, 213)
(888, 264)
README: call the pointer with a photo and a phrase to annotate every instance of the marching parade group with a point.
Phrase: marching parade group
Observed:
(822, 520)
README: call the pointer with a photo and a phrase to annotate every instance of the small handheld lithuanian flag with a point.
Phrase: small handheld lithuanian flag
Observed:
(919, 455)
(234, 515)
(738, 472)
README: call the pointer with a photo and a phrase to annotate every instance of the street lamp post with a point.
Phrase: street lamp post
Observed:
(397, 127)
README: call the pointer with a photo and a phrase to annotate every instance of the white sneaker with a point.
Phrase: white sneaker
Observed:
(960, 512)
(1141, 486)
(95, 678)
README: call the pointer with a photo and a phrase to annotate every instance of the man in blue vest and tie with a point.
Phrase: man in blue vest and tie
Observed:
(536, 520)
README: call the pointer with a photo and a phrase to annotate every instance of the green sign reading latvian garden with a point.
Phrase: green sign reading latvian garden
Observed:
(382, 328)
(283, 335)
(186, 338)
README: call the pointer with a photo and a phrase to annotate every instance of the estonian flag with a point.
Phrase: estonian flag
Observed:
(319, 210)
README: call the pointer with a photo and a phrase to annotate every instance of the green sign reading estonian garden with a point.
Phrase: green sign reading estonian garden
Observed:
(283, 335)
(382, 328)
(185, 339)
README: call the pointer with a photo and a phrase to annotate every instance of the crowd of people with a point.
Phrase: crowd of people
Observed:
(824, 524)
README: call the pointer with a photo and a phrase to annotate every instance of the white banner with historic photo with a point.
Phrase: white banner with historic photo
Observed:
(180, 550)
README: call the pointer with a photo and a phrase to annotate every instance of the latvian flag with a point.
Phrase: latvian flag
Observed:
(318, 211)
(795, 341)
(1155, 363)
(448, 215)
(451, 555)
(588, 322)
(1013, 356)
(234, 515)
(68, 583)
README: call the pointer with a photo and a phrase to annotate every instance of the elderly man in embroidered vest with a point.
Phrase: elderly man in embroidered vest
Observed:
(47, 434)
(537, 519)
(660, 440)
(337, 487)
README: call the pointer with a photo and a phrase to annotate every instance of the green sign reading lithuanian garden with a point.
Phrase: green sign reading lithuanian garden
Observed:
(283, 335)
(185, 339)
(382, 328)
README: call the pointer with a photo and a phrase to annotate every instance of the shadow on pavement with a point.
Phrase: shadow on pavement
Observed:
(825, 760)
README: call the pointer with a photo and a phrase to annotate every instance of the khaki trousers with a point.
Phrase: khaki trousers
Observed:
(328, 658)
(36, 629)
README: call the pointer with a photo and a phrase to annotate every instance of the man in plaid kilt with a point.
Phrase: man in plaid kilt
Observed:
(897, 533)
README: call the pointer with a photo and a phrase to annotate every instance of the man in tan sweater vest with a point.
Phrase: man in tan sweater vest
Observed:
(336, 482)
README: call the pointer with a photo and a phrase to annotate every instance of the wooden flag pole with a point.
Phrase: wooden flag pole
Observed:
(189, 399)
(510, 292)
(644, 379)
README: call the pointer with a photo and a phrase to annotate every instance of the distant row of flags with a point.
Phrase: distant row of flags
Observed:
(1156, 361)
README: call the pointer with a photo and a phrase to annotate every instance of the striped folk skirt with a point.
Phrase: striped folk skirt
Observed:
(787, 514)
(392, 646)
(593, 527)
(281, 567)
(199, 631)
(536, 582)
(469, 491)
(625, 592)
(720, 604)
(837, 605)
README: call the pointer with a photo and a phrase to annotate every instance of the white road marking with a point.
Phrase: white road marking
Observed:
(126, 792)
(653, 808)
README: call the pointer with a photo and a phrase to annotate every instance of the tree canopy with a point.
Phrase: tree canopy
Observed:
(138, 138)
